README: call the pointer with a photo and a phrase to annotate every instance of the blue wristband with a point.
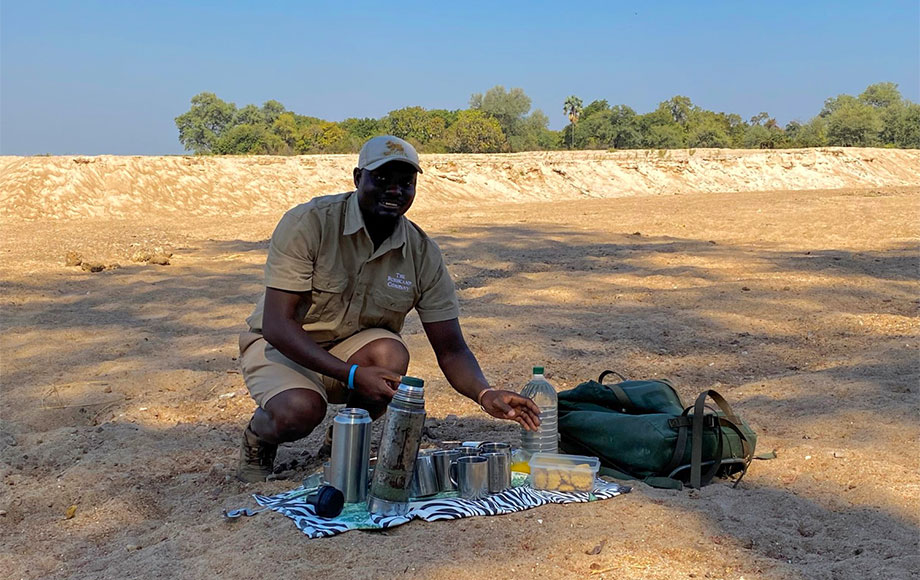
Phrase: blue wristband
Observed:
(351, 377)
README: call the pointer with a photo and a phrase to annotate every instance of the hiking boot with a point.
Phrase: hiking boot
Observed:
(325, 449)
(257, 458)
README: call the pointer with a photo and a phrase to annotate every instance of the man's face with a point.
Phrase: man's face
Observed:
(385, 193)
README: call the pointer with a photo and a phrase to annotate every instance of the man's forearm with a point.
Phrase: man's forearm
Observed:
(463, 372)
(294, 342)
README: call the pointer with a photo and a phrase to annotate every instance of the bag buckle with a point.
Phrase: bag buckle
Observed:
(709, 420)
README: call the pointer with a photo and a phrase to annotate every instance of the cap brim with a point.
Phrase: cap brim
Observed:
(382, 162)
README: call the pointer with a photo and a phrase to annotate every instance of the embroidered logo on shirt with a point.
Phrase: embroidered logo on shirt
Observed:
(399, 282)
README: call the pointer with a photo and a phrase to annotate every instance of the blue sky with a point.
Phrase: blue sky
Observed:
(96, 77)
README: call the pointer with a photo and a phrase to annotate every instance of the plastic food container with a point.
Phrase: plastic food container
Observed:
(558, 472)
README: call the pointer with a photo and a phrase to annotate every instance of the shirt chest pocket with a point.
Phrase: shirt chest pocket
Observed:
(390, 300)
(328, 300)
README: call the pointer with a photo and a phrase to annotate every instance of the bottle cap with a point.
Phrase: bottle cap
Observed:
(413, 382)
(538, 370)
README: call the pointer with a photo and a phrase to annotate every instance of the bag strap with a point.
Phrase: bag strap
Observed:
(625, 404)
(682, 425)
(600, 379)
(652, 480)
(730, 420)
(623, 399)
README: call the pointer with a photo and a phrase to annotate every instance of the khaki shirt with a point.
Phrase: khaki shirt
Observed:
(323, 247)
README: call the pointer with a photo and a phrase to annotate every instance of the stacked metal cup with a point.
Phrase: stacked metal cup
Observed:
(351, 446)
(425, 478)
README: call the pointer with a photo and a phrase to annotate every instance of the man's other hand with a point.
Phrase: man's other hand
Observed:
(513, 407)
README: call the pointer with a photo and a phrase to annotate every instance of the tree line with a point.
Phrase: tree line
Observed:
(501, 120)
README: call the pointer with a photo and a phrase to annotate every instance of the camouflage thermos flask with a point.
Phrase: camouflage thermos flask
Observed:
(399, 443)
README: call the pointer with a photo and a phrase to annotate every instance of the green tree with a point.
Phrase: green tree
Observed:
(285, 128)
(572, 107)
(831, 104)
(759, 137)
(708, 133)
(442, 119)
(665, 137)
(680, 109)
(333, 139)
(594, 107)
(812, 134)
(248, 140)
(624, 123)
(415, 124)
(658, 130)
(764, 132)
(901, 125)
(760, 118)
(530, 130)
(271, 110)
(362, 129)
(607, 127)
(734, 128)
(475, 132)
(908, 132)
(881, 95)
(793, 128)
(506, 107)
(594, 129)
(249, 115)
(593, 132)
(202, 125)
(853, 124)
(549, 140)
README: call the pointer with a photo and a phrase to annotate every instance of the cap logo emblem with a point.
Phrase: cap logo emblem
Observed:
(394, 148)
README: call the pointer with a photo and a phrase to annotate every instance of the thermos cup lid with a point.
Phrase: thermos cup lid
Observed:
(412, 382)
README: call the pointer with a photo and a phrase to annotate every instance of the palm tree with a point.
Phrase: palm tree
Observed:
(572, 107)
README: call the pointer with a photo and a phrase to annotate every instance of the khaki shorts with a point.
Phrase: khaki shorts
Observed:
(267, 372)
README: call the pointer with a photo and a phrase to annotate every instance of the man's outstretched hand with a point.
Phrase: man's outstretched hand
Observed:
(512, 406)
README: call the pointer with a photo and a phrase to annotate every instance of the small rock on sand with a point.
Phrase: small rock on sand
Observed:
(73, 259)
(92, 267)
(141, 256)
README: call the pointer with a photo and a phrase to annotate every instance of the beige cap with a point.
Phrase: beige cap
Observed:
(380, 150)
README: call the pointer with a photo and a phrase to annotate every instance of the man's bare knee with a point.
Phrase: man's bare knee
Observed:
(388, 353)
(293, 414)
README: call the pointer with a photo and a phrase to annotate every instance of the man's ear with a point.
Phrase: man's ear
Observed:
(357, 174)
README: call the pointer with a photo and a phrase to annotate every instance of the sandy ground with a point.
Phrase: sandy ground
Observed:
(121, 394)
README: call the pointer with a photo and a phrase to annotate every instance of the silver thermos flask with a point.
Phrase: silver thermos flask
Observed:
(399, 443)
(351, 446)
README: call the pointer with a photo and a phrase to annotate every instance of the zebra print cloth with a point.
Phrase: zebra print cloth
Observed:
(444, 506)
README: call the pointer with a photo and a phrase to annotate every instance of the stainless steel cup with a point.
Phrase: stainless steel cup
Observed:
(442, 460)
(351, 445)
(424, 478)
(490, 447)
(471, 476)
(499, 469)
(466, 451)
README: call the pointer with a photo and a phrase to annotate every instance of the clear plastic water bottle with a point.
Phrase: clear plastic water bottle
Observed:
(545, 439)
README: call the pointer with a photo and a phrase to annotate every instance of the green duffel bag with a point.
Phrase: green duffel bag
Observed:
(641, 430)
